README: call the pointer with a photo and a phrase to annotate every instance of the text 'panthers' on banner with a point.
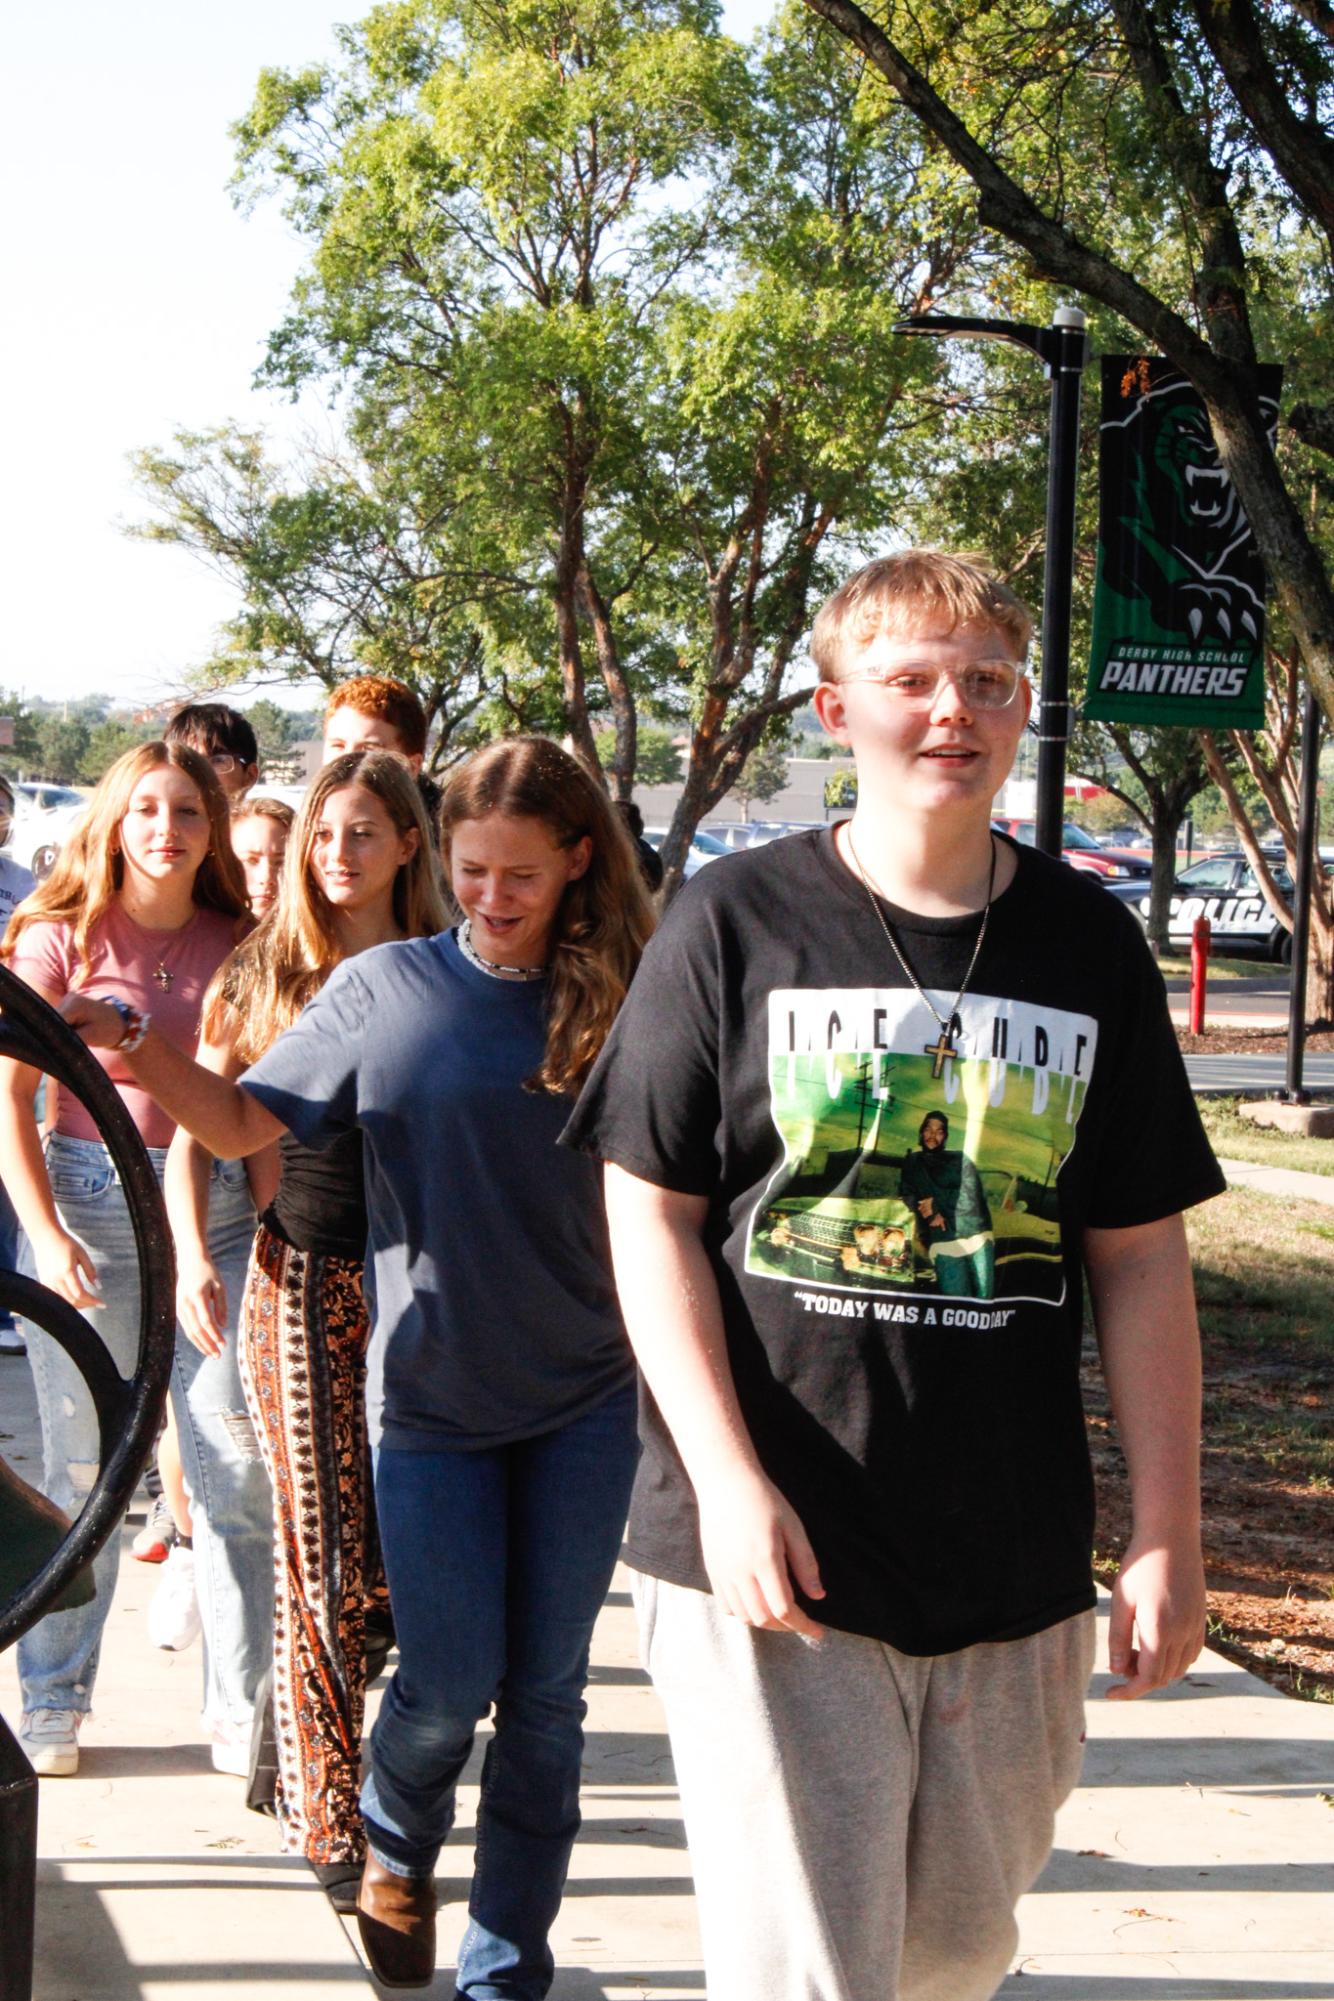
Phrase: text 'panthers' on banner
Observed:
(1179, 609)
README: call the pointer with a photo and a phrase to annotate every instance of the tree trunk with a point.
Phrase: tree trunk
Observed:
(1320, 970)
(1166, 818)
(574, 700)
(690, 810)
(622, 773)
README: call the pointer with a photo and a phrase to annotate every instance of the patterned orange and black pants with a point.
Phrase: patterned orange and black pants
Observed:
(304, 1331)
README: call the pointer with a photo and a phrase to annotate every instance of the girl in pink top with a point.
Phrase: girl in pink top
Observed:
(145, 901)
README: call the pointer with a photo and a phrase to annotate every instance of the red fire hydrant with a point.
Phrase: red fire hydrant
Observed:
(1200, 933)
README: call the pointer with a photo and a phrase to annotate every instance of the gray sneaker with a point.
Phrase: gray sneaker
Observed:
(155, 1539)
(49, 1739)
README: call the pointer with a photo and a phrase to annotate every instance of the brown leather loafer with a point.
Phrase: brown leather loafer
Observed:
(396, 1919)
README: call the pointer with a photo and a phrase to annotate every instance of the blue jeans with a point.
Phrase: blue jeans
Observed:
(9, 1248)
(498, 1563)
(58, 1657)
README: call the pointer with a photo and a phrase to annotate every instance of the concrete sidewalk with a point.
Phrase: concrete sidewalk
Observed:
(1189, 1865)
(1292, 1184)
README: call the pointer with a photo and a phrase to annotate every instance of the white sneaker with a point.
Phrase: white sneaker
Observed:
(173, 1610)
(49, 1739)
(231, 1750)
(11, 1341)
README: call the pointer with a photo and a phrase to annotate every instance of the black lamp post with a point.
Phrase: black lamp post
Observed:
(1301, 900)
(1062, 349)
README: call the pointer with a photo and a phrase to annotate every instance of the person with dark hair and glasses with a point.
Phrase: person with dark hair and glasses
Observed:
(224, 737)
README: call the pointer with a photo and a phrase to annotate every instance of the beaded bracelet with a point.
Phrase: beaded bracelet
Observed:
(135, 1022)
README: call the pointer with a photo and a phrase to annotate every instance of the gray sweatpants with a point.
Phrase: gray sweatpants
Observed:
(862, 1822)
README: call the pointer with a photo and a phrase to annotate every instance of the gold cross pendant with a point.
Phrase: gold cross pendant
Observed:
(939, 1051)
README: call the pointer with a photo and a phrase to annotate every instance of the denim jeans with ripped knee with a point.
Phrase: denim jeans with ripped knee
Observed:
(58, 1657)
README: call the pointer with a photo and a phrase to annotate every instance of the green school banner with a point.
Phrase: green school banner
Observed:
(1179, 607)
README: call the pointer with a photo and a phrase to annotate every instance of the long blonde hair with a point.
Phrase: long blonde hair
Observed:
(263, 987)
(604, 918)
(90, 867)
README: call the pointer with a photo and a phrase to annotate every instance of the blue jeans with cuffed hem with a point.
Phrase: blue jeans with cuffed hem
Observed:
(498, 1562)
(58, 1657)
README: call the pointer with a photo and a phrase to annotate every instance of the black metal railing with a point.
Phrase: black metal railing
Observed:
(128, 1415)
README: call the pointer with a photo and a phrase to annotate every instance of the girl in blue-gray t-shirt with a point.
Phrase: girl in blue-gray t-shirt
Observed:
(501, 1382)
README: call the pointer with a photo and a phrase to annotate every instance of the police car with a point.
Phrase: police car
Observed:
(1224, 889)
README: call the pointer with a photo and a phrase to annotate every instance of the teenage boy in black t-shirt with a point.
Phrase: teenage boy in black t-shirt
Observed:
(863, 1518)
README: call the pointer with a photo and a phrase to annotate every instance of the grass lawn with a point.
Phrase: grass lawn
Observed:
(1175, 966)
(1237, 1139)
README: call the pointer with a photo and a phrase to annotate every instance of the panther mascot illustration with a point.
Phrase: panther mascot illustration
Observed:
(1186, 542)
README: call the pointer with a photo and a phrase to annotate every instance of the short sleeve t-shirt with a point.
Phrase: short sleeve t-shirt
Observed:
(494, 1313)
(16, 882)
(124, 958)
(898, 1251)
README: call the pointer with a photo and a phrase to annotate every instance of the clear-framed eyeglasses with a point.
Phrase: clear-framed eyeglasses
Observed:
(223, 762)
(985, 684)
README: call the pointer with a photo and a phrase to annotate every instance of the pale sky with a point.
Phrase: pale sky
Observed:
(139, 301)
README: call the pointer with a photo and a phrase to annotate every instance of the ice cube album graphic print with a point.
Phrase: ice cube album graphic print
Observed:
(902, 1182)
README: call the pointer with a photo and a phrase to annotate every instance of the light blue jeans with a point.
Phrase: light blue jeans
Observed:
(233, 1514)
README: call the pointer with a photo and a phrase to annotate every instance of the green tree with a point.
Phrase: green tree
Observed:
(795, 410)
(610, 309)
(272, 726)
(1079, 125)
(108, 740)
(763, 775)
(840, 790)
(337, 568)
(23, 751)
(62, 745)
(658, 761)
(483, 189)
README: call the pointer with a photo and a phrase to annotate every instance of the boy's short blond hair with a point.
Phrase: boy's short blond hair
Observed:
(895, 593)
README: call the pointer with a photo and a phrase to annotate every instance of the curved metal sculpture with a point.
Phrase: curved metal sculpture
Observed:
(127, 1419)
(128, 1413)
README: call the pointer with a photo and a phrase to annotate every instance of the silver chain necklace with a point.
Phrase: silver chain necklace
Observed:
(474, 958)
(942, 1048)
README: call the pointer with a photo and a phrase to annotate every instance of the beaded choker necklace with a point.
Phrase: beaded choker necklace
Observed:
(474, 958)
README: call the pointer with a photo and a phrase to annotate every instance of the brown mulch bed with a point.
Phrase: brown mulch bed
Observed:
(1268, 1540)
(1225, 1041)
(1268, 1530)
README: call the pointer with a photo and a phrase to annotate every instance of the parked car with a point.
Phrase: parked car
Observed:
(1224, 889)
(290, 795)
(736, 834)
(43, 816)
(1084, 853)
(704, 848)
